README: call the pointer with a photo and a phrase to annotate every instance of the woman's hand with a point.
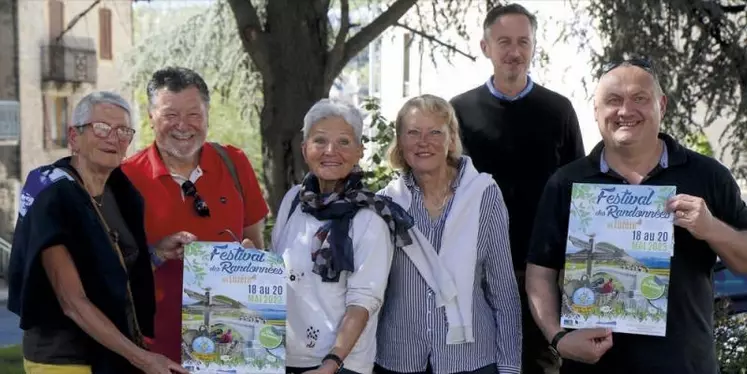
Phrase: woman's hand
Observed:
(153, 363)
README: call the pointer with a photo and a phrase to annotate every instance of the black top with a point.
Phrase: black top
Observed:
(56, 210)
(68, 344)
(688, 346)
(521, 143)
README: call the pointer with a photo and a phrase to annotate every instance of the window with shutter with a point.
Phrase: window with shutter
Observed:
(56, 18)
(105, 34)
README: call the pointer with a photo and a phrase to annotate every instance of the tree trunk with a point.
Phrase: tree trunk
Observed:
(292, 52)
(296, 80)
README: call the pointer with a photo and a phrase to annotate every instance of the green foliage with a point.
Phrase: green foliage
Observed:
(11, 360)
(698, 142)
(699, 51)
(196, 261)
(202, 38)
(378, 171)
(583, 201)
(731, 339)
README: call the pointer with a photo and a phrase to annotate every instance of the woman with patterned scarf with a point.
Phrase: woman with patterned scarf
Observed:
(337, 239)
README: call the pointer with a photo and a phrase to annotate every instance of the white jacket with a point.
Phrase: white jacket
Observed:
(314, 308)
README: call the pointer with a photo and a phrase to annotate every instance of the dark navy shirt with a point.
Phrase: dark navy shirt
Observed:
(688, 347)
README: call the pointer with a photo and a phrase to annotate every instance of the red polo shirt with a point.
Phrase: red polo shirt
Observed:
(166, 212)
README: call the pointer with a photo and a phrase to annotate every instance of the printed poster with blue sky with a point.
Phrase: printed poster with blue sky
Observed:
(618, 252)
(233, 310)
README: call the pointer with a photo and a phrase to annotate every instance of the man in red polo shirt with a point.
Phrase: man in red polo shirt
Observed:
(189, 191)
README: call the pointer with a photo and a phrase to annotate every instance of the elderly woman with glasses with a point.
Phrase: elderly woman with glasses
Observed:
(452, 304)
(337, 239)
(80, 277)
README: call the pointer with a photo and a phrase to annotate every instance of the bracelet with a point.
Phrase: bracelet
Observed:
(335, 358)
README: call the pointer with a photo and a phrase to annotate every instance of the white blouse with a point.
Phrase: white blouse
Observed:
(314, 308)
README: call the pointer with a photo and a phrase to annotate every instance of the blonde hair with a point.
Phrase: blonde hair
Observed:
(435, 106)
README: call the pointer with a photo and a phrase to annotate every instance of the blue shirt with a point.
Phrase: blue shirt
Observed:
(663, 160)
(412, 330)
(500, 95)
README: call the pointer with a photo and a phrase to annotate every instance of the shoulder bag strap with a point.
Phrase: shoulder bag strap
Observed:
(230, 166)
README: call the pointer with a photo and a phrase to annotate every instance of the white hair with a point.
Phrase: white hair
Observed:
(326, 108)
(84, 108)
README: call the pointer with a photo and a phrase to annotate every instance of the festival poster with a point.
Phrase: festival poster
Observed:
(618, 252)
(233, 310)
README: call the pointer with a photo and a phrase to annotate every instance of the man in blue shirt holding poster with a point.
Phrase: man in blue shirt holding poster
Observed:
(710, 220)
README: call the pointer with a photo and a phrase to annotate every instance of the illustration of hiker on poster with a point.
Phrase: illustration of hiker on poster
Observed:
(618, 253)
(233, 310)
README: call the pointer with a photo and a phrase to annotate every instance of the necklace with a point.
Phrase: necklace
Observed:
(446, 194)
(443, 202)
(99, 200)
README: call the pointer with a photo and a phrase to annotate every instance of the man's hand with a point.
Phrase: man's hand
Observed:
(246, 243)
(691, 213)
(585, 345)
(172, 246)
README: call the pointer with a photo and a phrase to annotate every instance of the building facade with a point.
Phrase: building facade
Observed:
(61, 51)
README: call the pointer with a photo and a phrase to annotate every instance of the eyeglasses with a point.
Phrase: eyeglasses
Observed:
(641, 62)
(199, 204)
(103, 130)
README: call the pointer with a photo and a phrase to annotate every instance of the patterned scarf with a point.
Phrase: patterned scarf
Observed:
(336, 210)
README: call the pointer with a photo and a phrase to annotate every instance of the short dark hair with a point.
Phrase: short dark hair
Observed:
(503, 10)
(176, 79)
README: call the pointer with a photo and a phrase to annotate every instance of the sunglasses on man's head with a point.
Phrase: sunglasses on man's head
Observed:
(199, 204)
(640, 62)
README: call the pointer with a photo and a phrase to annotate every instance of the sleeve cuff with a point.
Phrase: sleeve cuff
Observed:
(370, 305)
(508, 370)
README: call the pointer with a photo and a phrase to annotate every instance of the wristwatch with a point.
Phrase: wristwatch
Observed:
(336, 359)
(555, 340)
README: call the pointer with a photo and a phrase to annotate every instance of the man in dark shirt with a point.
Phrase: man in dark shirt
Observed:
(520, 133)
(710, 220)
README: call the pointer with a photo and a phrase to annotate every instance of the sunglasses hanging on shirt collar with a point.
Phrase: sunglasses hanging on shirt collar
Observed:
(190, 190)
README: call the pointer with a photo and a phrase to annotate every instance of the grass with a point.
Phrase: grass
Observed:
(11, 360)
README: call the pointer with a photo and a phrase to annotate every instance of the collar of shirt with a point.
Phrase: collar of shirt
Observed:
(409, 179)
(663, 160)
(500, 95)
(193, 177)
(209, 160)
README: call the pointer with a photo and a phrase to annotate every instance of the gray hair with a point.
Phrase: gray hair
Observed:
(326, 108)
(84, 108)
